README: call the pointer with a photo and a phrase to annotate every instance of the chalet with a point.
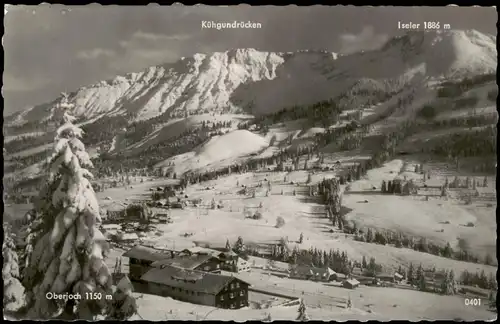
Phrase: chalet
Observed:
(199, 262)
(197, 287)
(114, 211)
(162, 203)
(126, 237)
(141, 258)
(385, 277)
(169, 191)
(313, 273)
(350, 283)
(163, 218)
(136, 211)
(199, 250)
(398, 277)
(229, 261)
(242, 265)
(177, 205)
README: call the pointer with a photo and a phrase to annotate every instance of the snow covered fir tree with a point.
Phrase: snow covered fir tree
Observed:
(62, 254)
(13, 291)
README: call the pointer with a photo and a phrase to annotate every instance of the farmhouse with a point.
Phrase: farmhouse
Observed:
(197, 287)
(385, 277)
(229, 261)
(242, 265)
(313, 273)
(141, 258)
(350, 283)
(199, 262)
(126, 237)
(114, 211)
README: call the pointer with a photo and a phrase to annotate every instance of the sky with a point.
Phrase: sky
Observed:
(53, 48)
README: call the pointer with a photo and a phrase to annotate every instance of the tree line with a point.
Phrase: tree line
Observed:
(479, 142)
(457, 88)
(25, 142)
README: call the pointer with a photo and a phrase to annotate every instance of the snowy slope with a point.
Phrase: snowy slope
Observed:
(219, 151)
(260, 82)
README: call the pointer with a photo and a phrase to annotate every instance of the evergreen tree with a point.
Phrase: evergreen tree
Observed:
(400, 270)
(124, 304)
(369, 236)
(390, 188)
(308, 178)
(301, 238)
(302, 312)
(371, 269)
(451, 281)
(363, 262)
(383, 187)
(447, 251)
(492, 299)
(410, 276)
(419, 275)
(485, 182)
(13, 291)
(63, 253)
(239, 246)
(444, 191)
(488, 260)
(445, 284)
(228, 246)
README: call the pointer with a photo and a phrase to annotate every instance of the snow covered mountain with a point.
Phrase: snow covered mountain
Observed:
(251, 81)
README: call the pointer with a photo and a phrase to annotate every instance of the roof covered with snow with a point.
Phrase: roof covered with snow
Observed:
(309, 270)
(146, 253)
(186, 262)
(351, 281)
(208, 283)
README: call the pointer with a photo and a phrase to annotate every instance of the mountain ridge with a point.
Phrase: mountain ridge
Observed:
(247, 80)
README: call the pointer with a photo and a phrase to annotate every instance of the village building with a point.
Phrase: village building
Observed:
(114, 211)
(242, 265)
(385, 277)
(398, 277)
(199, 262)
(125, 237)
(229, 260)
(141, 258)
(350, 283)
(196, 287)
(312, 273)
